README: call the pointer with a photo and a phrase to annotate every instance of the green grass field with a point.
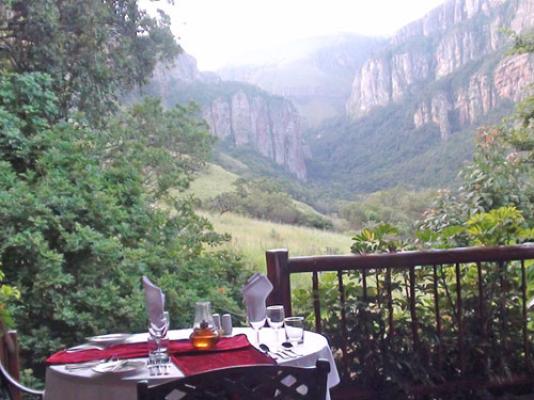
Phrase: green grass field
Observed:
(253, 237)
(213, 181)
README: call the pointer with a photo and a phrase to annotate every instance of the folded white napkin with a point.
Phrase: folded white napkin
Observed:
(155, 302)
(255, 294)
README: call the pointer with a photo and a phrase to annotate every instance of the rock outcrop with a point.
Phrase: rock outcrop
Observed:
(184, 69)
(270, 125)
(239, 113)
(315, 74)
(450, 66)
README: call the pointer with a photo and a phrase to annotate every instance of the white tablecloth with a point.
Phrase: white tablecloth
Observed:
(84, 384)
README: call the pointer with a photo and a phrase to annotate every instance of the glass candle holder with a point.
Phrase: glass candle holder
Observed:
(205, 335)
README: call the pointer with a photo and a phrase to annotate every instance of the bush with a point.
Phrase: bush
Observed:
(82, 220)
(264, 199)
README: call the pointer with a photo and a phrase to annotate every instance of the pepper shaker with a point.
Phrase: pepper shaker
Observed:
(226, 325)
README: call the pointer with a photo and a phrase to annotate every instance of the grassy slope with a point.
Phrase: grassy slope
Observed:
(212, 182)
(215, 180)
(253, 237)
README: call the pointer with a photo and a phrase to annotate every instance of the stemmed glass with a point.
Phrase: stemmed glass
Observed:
(256, 319)
(275, 318)
(158, 331)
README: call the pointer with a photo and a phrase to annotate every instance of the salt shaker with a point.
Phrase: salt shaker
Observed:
(226, 324)
(217, 321)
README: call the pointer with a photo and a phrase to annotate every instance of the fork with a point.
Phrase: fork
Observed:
(87, 364)
(84, 347)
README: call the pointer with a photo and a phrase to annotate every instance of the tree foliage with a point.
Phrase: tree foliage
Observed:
(397, 206)
(492, 206)
(265, 199)
(81, 224)
(92, 49)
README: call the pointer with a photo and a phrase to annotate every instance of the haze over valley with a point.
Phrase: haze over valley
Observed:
(365, 113)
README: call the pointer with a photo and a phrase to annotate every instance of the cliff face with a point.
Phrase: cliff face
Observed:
(451, 64)
(269, 125)
(240, 114)
(315, 74)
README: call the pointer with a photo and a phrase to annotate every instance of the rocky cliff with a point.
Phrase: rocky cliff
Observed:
(315, 74)
(450, 67)
(240, 114)
(268, 124)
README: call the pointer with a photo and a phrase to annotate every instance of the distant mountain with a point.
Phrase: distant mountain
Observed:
(315, 74)
(241, 115)
(455, 56)
(415, 102)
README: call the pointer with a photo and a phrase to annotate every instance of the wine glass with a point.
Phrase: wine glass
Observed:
(158, 332)
(256, 319)
(275, 318)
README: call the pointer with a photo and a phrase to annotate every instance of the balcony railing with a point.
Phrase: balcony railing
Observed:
(442, 305)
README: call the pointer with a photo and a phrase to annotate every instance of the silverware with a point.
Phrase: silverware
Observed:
(84, 347)
(294, 353)
(280, 354)
(119, 365)
(288, 354)
(89, 364)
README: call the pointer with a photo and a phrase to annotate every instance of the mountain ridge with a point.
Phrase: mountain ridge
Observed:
(416, 102)
(239, 114)
(317, 79)
(456, 36)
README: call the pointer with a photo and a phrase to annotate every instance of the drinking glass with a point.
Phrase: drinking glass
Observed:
(275, 318)
(256, 318)
(294, 327)
(158, 336)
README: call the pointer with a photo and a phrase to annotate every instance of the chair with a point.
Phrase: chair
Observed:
(260, 382)
(10, 387)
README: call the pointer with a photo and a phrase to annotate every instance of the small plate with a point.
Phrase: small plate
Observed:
(119, 367)
(112, 338)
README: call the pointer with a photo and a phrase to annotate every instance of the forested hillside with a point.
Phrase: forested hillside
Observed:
(416, 103)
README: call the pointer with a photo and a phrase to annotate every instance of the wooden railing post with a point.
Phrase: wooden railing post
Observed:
(278, 274)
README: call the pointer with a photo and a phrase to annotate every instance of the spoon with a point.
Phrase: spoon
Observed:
(289, 347)
(266, 349)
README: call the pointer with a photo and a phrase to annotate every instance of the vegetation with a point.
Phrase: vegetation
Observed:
(397, 206)
(179, 92)
(92, 50)
(212, 181)
(264, 199)
(493, 205)
(252, 237)
(80, 188)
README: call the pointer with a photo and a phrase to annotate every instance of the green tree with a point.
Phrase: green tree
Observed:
(264, 199)
(83, 220)
(92, 49)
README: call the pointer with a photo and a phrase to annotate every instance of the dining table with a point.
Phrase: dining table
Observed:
(87, 383)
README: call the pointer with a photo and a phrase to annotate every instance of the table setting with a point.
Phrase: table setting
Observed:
(109, 366)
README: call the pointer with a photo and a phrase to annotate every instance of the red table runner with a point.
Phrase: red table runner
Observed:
(198, 362)
(232, 351)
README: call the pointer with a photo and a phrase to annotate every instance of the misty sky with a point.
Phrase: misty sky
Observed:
(222, 32)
